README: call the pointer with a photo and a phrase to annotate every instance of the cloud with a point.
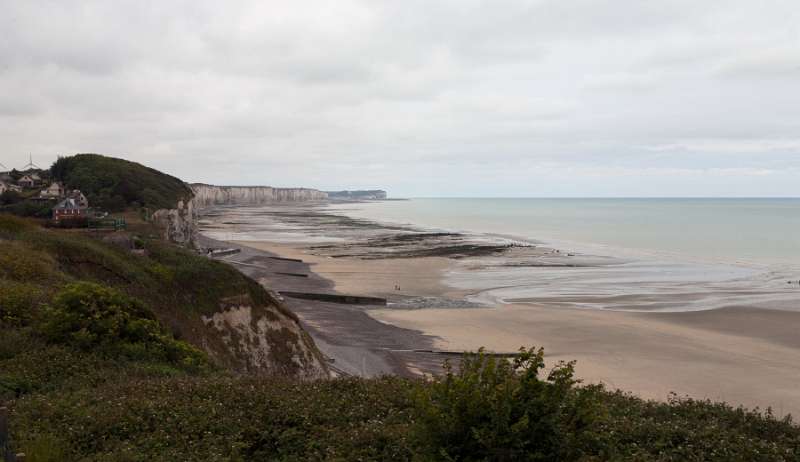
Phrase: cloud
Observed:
(479, 96)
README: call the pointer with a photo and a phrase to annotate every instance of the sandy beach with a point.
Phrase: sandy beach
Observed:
(742, 355)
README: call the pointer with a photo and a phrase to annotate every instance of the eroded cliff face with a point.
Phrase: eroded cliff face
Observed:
(178, 225)
(263, 341)
(209, 195)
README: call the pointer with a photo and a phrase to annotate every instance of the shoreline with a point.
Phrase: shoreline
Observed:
(741, 355)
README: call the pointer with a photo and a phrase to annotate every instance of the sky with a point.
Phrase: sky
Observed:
(419, 97)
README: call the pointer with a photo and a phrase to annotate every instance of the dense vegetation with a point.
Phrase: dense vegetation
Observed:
(115, 184)
(72, 305)
(145, 417)
(20, 203)
(95, 366)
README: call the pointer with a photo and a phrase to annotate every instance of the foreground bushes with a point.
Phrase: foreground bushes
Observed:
(89, 316)
(494, 409)
(487, 411)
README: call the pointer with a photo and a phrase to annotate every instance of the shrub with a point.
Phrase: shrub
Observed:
(11, 225)
(88, 316)
(69, 223)
(20, 262)
(495, 409)
(18, 302)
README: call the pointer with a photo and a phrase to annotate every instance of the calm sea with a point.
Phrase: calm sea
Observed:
(679, 254)
(760, 231)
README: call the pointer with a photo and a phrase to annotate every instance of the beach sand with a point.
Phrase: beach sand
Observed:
(414, 276)
(739, 355)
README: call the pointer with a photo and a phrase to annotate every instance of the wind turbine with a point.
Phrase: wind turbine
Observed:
(30, 165)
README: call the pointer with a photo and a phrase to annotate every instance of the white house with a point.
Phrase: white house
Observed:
(79, 198)
(27, 181)
(54, 191)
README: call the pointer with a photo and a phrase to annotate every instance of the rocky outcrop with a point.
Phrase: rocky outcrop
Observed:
(178, 225)
(262, 340)
(209, 195)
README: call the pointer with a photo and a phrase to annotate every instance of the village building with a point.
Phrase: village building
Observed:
(69, 208)
(55, 191)
(27, 181)
(7, 186)
(78, 196)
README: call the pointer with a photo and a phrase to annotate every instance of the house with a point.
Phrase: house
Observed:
(6, 186)
(68, 209)
(27, 181)
(78, 196)
(55, 191)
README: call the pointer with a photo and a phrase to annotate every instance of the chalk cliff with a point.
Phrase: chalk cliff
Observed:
(263, 340)
(208, 195)
(178, 225)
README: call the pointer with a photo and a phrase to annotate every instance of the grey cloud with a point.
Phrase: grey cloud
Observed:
(471, 94)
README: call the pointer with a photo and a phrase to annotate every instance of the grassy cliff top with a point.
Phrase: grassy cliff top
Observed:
(115, 184)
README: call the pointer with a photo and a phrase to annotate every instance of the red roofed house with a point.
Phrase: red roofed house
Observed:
(69, 209)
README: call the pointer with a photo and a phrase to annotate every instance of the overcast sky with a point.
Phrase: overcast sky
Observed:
(422, 98)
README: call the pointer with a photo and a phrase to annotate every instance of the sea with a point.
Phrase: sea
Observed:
(648, 254)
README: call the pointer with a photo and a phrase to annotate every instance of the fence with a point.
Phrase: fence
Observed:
(107, 223)
(6, 454)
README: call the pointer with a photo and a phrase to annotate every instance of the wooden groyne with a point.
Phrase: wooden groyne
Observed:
(335, 298)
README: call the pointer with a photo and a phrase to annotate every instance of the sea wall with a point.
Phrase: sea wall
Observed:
(208, 195)
(178, 225)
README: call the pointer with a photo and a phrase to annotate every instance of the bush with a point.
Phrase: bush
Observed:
(27, 208)
(18, 302)
(69, 223)
(20, 262)
(10, 197)
(90, 316)
(11, 225)
(494, 409)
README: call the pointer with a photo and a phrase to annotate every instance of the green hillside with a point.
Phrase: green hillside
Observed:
(114, 184)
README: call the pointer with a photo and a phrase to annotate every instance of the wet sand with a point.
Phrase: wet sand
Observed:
(739, 355)
(415, 276)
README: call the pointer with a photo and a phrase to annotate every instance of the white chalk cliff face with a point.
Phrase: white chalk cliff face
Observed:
(178, 225)
(262, 341)
(209, 195)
